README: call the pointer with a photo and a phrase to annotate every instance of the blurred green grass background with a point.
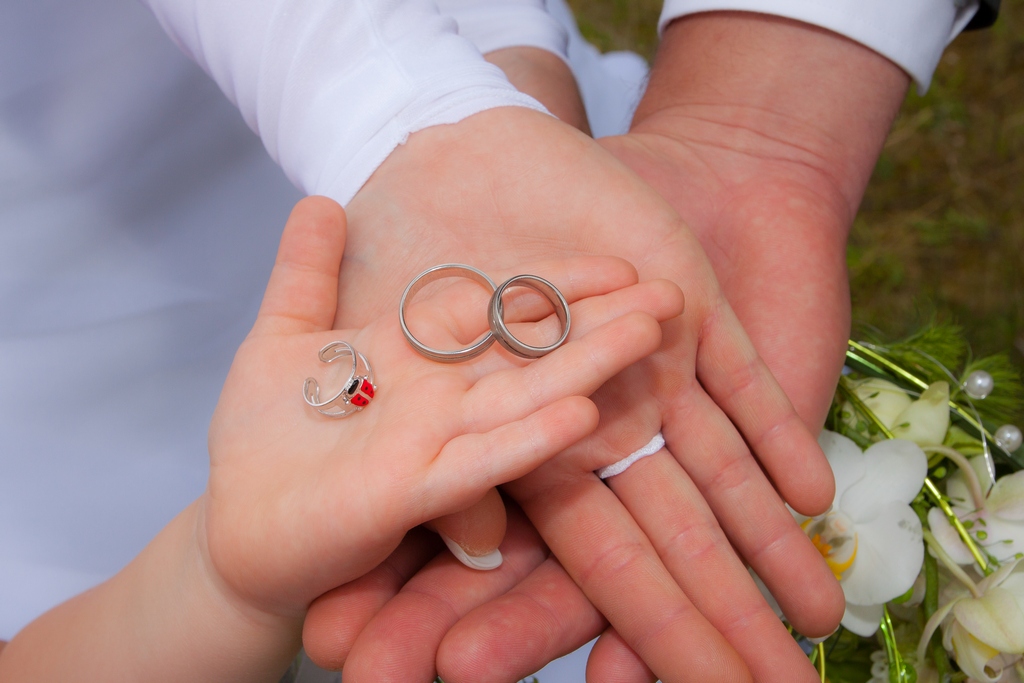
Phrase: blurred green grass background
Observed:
(940, 232)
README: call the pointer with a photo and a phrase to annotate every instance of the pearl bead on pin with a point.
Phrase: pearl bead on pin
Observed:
(979, 384)
(1008, 437)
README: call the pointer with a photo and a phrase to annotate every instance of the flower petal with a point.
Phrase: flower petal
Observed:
(883, 398)
(1014, 583)
(1007, 497)
(926, 420)
(862, 619)
(948, 537)
(995, 619)
(971, 654)
(845, 458)
(1000, 576)
(958, 491)
(890, 551)
(894, 471)
(1004, 539)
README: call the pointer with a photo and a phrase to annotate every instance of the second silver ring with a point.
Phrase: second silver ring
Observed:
(496, 316)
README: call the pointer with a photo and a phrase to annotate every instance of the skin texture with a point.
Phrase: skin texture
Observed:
(546, 78)
(508, 169)
(297, 502)
(762, 134)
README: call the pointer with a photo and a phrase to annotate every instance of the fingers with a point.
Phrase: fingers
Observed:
(518, 418)
(613, 661)
(737, 379)
(473, 462)
(577, 368)
(336, 618)
(400, 643)
(302, 293)
(454, 311)
(749, 510)
(660, 299)
(476, 531)
(613, 562)
(542, 618)
(672, 514)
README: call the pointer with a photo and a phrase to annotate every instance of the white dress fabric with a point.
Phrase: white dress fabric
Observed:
(139, 220)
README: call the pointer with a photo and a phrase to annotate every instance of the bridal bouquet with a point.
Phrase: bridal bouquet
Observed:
(926, 531)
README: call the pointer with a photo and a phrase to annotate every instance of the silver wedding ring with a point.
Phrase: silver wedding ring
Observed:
(495, 314)
(356, 392)
(425, 278)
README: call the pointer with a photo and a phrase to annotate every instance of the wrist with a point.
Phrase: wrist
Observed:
(547, 78)
(775, 89)
(163, 617)
(231, 638)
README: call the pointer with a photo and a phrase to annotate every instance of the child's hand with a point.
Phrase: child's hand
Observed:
(299, 503)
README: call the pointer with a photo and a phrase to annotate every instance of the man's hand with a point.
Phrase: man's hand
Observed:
(762, 133)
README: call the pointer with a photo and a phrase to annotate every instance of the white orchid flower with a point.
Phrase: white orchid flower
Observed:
(983, 626)
(871, 538)
(997, 526)
(924, 421)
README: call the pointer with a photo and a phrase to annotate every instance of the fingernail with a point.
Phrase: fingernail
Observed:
(491, 560)
(823, 639)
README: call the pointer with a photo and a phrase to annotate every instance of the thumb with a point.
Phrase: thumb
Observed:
(303, 290)
(474, 534)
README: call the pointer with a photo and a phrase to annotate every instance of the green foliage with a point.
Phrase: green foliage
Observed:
(939, 352)
(929, 351)
(849, 657)
(1004, 403)
(942, 220)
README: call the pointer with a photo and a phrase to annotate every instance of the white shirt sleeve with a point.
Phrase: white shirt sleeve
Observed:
(333, 87)
(496, 24)
(910, 33)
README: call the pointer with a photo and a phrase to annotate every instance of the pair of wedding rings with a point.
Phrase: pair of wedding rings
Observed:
(495, 314)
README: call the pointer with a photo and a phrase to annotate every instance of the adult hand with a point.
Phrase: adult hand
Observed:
(766, 153)
(762, 134)
(507, 184)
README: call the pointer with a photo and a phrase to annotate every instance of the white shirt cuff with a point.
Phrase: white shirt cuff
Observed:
(333, 87)
(493, 25)
(910, 33)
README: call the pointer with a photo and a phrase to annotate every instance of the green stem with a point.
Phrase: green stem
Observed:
(847, 391)
(953, 568)
(931, 598)
(892, 651)
(970, 476)
(821, 660)
(940, 500)
(895, 369)
(875, 359)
